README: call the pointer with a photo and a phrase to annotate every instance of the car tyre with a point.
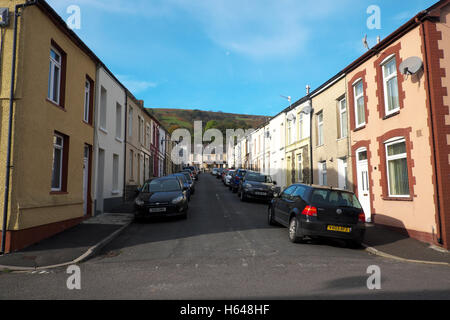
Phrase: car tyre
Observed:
(294, 231)
(242, 196)
(354, 244)
(270, 216)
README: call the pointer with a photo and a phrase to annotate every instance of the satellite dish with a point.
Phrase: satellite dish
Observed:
(291, 117)
(307, 110)
(411, 66)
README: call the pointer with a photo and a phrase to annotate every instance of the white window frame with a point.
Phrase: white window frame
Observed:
(300, 167)
(320, 136)
(323, 171)
(385, 81)
(387, 144)
(300, 126)
(289, 133)
(343, 109)
(51, 81)
(119, 121)
(59, 147)
(87, 101)
(356, 98)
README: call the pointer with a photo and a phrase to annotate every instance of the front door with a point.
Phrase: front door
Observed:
(363, 182)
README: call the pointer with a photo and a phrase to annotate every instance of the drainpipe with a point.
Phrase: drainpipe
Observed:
(440, 240)
(8, 166)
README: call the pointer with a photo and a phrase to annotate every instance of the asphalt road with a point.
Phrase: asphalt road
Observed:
(227, 250)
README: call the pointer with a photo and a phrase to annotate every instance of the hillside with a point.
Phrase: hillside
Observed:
(178, 118)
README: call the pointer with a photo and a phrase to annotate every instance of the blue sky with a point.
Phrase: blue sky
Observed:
(234, 56)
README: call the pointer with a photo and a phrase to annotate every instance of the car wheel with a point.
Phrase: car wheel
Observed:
(294, 231)
(243, 197)
(271, 217)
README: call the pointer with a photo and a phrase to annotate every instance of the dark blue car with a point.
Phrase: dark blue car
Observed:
(236, 179)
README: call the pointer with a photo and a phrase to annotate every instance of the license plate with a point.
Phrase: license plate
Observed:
(260, 193)
(153, 210)
(339, 229)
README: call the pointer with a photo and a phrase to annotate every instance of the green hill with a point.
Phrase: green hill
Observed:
(174, 119)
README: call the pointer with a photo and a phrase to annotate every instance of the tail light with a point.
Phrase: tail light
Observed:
(310, 211)
(362, 217)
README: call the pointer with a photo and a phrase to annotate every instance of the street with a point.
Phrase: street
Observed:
(227, 250)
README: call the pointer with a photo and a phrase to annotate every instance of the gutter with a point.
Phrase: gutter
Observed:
(8, 166)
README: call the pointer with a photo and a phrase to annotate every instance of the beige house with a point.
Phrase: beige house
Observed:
(330, 135)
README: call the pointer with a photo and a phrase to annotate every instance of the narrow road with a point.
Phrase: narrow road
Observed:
(227, 250)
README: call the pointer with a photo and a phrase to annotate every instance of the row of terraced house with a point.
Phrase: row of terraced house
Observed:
(74, 141)
(374, 129)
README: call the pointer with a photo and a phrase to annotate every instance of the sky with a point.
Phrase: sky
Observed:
(236, 56)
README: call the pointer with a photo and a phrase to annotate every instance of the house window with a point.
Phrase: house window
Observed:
(358, 90)
(320, 139)
(390, 82)
(397, 169)
(59, 168)
(103, 107)
(87, 101)
(147, 136)
(343, 118)
(118, 121)
(323, 174)
(54, 77)
(115, 173)
(289, 133)
(130, 122)
(131, 164)
(300, 127)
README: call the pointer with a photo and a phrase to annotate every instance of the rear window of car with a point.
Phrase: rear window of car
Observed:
(258, 178)
(334, 198)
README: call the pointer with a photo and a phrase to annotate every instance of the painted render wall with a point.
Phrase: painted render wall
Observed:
(334, 146)
(109, 140)
(419, 213)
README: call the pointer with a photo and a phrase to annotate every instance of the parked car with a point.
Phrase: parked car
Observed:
(228, 177)
(224, 174)
(184, 180)
(255, 185)
(190, 181)
(162, 197)
(190, 173)
(219, 173)
(316, 211)
(239, 174)
(215, 171)
(194, 171)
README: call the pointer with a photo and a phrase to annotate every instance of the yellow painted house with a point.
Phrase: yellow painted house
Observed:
(52, 126)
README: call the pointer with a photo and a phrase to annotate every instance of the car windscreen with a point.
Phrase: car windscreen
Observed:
(167, 185)
(334, 198)
(258, 178)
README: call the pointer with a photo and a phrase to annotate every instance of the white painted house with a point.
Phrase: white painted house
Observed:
(277, 149)
(109, 122)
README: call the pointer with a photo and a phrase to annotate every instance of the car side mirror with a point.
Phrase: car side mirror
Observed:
(274, 183)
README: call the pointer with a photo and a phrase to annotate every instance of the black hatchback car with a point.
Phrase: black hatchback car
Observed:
(316, 211)
(255, 185)
(163, 197)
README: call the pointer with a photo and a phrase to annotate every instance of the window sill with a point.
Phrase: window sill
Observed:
(115, 193)
(119, 140)
(391, 115)
(407, 199)
(55, 104)
(103, 130)
(359, 129)
(88, 124)
(58, 193)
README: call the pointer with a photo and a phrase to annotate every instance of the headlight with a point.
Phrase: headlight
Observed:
(139, 202)
(248, 185)
(178, 199)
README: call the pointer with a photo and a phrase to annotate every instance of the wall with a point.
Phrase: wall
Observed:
(110, 141)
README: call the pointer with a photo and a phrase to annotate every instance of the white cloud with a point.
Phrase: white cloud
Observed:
(134, 85)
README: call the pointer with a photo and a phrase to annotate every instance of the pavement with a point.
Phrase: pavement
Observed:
(384, 242)
(87, 239)
(72, 246)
